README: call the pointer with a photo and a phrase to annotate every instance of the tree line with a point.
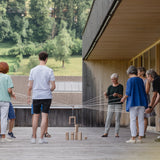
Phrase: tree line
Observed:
(55, 26)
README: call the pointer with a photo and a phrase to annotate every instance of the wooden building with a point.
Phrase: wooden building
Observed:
(118, 33)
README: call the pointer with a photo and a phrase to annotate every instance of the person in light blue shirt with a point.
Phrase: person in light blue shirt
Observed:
(136, 103)
(6, 93)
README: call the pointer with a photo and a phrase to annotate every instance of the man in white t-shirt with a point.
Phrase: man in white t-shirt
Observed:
(41, 83)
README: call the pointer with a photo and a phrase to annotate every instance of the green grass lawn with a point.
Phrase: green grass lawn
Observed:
(73, 68)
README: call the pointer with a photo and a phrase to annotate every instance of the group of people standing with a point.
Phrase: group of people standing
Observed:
(41, 84)
(137, 99)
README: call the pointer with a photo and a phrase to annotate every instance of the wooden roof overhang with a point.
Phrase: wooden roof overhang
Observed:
(134, 26)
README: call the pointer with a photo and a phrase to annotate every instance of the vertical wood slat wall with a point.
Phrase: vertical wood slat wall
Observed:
(150, 58)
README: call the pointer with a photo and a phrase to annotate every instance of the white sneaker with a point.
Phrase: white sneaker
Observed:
(139, 141)
(33, 140)
(42, 141)
(131, 141)
(3, 140)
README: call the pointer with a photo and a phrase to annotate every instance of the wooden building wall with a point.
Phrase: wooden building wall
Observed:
(96, 79)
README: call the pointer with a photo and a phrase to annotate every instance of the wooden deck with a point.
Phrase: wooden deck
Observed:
(94, 148)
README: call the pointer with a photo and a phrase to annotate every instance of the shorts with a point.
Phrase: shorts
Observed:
(152, 114)
(146, 115)
(38, 103)
(32, 108)
(11, 113)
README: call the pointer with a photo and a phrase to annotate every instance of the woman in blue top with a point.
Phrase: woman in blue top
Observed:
(136, 103)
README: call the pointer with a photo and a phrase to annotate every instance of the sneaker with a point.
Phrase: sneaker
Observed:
(157, 139)
(11, 135)
(33, 140)
(139, 141)
(42, 141)
(3, 140)
(131, 141)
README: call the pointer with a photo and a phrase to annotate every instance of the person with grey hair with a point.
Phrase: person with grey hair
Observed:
(114, 95)
(142, 75)
(153, 77)
(136, 103)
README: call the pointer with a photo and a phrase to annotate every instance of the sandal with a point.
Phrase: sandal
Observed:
(47, 135)
(105, 135)
(117, 136)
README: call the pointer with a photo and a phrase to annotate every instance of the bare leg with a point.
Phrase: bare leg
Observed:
(145, 124)
(44, 123)
(35, 118)
(3, 135)
(46, 130)
(11, 125)
(137, 126)
(133, 138)
(140, 137)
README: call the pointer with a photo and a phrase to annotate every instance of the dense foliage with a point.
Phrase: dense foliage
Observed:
(52, 25)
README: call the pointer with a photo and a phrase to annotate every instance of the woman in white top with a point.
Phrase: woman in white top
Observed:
(142, 75)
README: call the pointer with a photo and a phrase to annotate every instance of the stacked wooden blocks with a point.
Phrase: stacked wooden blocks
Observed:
(74, 135)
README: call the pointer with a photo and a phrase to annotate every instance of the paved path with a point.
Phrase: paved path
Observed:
(94, 148)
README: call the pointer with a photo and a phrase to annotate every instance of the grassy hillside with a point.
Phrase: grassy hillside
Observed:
(73, 68)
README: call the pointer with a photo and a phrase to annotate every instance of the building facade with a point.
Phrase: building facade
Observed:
(118, 33)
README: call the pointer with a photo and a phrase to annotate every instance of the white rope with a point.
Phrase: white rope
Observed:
(91, 104)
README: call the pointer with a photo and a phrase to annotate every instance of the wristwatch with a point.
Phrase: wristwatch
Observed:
(150, 107)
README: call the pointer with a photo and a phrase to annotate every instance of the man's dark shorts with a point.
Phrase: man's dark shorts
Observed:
(37, 103)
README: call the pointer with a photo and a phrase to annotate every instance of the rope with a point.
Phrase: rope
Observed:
(91, 104)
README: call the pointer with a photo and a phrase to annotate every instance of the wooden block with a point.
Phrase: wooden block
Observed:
(76, 127)
(72, 136)
(72, 117)
(67, 135)
(79, 136)
(76, 135)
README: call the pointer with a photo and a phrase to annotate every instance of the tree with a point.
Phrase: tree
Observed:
(63, 44)
(3, 6)
(15, 12)
(50, 47)
(40, 20)
(5, 27)
(82, 11)
(77, 47)
(71, 12)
